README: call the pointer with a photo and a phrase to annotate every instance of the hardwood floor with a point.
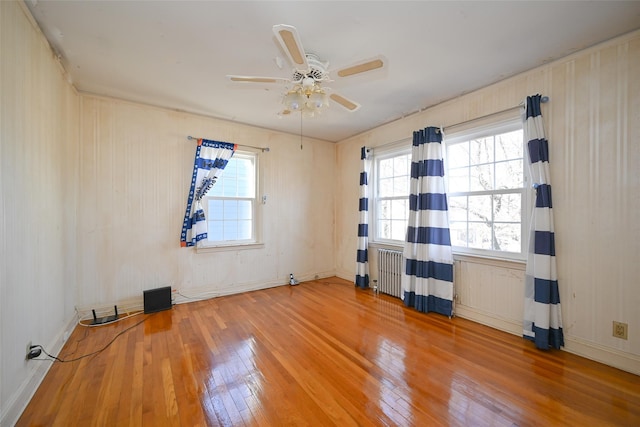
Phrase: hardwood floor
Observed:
(318, 354)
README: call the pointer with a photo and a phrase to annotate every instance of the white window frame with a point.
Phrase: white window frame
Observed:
(256, 232)
(479, 131)
(386, 152)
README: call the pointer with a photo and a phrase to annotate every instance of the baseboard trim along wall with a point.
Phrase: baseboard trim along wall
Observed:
(36, 375)
(608, 356)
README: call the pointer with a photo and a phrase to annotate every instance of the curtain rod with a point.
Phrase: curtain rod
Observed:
(263, 149)
(543, 99)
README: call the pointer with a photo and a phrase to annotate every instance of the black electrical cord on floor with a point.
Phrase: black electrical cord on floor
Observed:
(57, 359)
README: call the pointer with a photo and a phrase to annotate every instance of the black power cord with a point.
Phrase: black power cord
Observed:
(37, 349)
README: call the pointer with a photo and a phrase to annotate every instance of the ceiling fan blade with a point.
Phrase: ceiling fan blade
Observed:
(287, 36)
(362, 67)
(255, 79)
(344, 102)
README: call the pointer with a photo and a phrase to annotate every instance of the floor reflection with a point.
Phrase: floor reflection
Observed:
(394, 394)
(235, 381)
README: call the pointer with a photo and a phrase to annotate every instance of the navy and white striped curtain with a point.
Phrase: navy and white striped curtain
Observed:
(427, 281)
(211, 159)
(362, 263)
(542, 316)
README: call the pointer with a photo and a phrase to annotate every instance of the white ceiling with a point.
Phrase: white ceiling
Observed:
(176, 54)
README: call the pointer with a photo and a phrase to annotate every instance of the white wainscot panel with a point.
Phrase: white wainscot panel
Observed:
(490, 292)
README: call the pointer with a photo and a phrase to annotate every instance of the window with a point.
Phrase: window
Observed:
(486, 190)
(391, 194)
(231, 204)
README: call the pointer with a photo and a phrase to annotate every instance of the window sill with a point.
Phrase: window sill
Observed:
(226, 248)
(511, 263)
(385, 245)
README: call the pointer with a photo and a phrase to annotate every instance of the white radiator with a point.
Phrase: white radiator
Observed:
(390, 272)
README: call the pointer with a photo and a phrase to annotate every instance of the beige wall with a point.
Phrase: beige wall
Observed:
(38, 187)
(135, 172)
(593, 127)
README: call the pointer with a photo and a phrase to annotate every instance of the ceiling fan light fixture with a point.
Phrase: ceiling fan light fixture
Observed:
(294, 100)
(317, 100)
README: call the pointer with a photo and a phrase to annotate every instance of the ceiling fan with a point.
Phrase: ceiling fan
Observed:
(305, 90)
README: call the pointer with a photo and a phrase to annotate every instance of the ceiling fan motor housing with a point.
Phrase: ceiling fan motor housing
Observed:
(317, 69)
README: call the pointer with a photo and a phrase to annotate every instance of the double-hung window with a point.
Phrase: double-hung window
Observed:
(392, 172)
(231, 206)
(487, 191)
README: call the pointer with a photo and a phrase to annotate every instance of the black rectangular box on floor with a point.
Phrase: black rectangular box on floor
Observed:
(157, 299)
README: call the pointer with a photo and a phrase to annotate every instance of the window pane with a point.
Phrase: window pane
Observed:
(399, 209)
(481, 150)
(507, 207)
(215, 209)
(509, 145)
(401, 165)
(230, 209)
(385, 168)
(458, 208)
(509, 174)
(481, 178)
(244, 209)
(508, 237)
(229, 186)
(385, 187)
(480, 208)
(480, 235)
(384, 229)
(384, 210)
(458, 233)
(401, 186)
(230, 230)
(244, 230)
(214, 231)
(246, 178)
(458, 155)
(458, 180)
(398, 229)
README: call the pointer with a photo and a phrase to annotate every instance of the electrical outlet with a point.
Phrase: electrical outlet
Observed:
(620, 330)
(32, 352)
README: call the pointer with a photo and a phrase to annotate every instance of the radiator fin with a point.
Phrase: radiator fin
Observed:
(390, 272)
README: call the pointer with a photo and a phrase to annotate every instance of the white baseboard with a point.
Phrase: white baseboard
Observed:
(606, 355)
(207, 292)
(346, 274)
(25, 392)
(609, 356)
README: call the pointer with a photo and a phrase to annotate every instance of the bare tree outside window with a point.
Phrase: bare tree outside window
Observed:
(486, 188)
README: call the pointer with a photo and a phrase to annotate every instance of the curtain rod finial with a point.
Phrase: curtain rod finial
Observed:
(544, 99)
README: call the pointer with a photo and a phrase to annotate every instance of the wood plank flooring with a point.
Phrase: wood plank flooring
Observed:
(319, 354)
